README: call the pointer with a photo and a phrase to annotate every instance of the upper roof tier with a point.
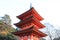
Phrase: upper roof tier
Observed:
(30, 12)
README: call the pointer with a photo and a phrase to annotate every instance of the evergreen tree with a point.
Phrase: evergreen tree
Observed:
(6, 29)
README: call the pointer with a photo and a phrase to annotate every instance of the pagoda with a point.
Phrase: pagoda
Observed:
(29, 25)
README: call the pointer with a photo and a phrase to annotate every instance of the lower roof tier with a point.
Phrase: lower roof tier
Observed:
(30, 21)
(32, 30)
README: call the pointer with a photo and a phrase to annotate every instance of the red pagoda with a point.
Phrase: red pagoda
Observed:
(29, 25)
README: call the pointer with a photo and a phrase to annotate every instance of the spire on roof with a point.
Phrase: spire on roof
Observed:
(30, 5)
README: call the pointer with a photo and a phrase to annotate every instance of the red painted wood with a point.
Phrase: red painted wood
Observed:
(21, 38)
(33, 12)
(29, 24)
(31, 37)
(29, 31)
(25, 38)
(34, 21)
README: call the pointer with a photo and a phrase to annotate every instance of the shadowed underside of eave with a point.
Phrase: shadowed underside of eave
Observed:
(29, 31)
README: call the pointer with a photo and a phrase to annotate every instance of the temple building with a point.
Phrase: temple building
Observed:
(29, 25)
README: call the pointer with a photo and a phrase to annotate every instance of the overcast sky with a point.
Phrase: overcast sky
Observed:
(48, 9)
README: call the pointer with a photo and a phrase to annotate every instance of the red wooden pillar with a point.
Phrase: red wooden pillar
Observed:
(25, 38)
(31, 37)
(35, 38)
(38, 38)
(21, 38)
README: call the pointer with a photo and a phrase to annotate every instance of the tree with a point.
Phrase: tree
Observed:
(6, 29)
(6, 19)
(7, 37)
(56, 38)
(51, 31)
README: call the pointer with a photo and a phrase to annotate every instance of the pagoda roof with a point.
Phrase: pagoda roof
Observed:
(31, 30)
(28, 13)
(30, 21)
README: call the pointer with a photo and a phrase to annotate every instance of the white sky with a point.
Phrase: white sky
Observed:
(48, 9)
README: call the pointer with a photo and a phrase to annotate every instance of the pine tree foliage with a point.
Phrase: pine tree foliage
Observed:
(6, 29)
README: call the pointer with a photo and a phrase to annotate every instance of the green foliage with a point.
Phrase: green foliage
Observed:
(1, 22)
(7, 37)
(6, 29)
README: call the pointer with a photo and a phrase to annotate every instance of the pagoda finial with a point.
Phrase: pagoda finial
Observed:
(30, 5)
